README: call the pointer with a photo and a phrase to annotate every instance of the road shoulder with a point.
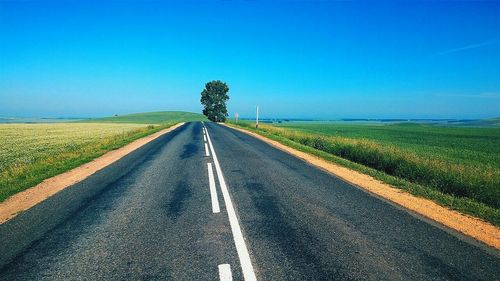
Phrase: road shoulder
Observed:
(470, 226)
(30, 197)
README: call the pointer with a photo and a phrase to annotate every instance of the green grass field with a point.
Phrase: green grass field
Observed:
(456, 166)
(30, 153)
(153, 118)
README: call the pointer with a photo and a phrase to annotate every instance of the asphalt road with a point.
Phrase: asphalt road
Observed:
(153, 216)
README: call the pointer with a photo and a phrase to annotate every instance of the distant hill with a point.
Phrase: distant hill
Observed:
(490, 122)
(152, 117)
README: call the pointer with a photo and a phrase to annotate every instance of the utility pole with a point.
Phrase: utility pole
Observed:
(236, 115)
(257, 119)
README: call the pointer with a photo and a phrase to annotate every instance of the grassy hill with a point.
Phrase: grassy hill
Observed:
(160, 117)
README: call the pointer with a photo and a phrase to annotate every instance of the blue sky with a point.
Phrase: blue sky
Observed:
(302, 59)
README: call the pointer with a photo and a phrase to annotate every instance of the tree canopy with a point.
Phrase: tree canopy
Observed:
(214, 98)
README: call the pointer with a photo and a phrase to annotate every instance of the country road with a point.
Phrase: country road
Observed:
(192, 205)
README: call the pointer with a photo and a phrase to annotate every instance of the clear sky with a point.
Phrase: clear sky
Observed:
(301, 59)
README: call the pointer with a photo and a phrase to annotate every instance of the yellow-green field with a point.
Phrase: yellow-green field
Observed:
(30, 153)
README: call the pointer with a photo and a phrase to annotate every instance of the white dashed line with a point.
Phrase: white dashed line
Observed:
(207, 153)
(239, 241)
(213, 190)
(225, 272)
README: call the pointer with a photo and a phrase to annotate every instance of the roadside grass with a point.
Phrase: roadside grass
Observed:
(456, 167)
(30, 153)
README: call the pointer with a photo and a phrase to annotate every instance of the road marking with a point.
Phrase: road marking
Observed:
(239, 241)
(225, 272)
(206, 150)
(204, 138)
(213, 190)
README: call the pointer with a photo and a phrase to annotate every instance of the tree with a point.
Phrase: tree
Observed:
(214, 98)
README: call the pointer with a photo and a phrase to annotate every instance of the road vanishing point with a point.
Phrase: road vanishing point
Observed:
(206, 202)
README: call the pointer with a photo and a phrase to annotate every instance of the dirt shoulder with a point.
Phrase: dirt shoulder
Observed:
(30, 197)
(465, 224)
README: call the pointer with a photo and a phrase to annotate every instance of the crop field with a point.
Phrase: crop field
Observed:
(30, 153)
(472, 147)
(457, 166)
